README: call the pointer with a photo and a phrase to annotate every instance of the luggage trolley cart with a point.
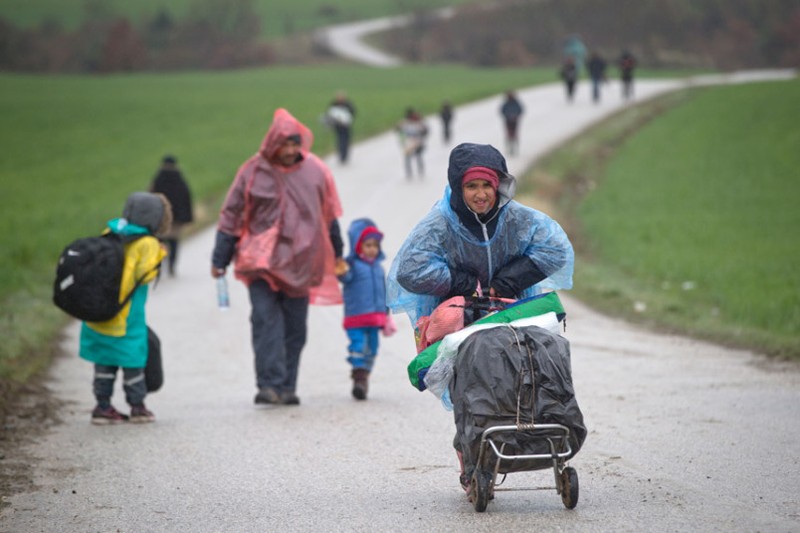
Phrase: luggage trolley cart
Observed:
(501, 380)
(484, 478)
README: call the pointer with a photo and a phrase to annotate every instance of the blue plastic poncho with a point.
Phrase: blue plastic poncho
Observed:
(441, 240)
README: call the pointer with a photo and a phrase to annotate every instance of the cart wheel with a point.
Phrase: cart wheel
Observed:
(481, 480)
(569, 487)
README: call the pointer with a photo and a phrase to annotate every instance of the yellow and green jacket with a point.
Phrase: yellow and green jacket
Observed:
(122, 340)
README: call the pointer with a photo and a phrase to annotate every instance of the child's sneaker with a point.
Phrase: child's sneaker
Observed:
(107, 416)
(141, 415)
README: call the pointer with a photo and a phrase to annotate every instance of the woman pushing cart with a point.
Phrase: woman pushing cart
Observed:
(478, 240)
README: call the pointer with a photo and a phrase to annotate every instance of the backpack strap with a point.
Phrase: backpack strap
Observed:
(137, 284)
(139, 281)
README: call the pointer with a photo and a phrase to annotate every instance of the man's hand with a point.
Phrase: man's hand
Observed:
(217, 272)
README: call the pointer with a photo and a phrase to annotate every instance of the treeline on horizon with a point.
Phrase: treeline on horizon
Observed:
(215, 34)
(717, 34)
(222, 34)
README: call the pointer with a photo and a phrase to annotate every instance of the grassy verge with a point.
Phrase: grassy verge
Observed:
(690, 222)
(75, 147)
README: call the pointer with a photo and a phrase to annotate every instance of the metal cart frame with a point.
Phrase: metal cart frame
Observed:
(484, 478)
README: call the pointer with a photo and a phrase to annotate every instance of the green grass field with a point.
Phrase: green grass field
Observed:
(279, 17)
(694, 219)
(75, 147)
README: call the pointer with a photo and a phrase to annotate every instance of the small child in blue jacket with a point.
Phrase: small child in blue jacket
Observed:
(365, 311)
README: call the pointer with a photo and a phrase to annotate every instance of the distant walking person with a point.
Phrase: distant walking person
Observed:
(446, 114)
(340, 116)
(627, 63)
(569, 73)
(278, 224)
(597, 72)
(413, 134)
(511, 110)
(169, 181)
(365, 311)
(574, 48)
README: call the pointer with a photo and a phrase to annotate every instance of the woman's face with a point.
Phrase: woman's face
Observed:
(479, 196)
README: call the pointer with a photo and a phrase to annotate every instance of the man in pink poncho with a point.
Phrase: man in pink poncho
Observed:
(279, 226)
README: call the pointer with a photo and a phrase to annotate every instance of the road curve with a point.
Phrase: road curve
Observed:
(346, 40)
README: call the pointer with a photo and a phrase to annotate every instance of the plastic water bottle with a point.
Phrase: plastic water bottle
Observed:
(223, 301)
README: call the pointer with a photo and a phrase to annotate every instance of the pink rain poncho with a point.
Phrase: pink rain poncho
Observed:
(282, 217)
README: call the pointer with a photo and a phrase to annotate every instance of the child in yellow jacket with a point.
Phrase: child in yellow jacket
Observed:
(121, 342)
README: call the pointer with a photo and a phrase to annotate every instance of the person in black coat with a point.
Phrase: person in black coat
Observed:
(569, 73)
(170, 182)
(446, 114)
(511, 110)
(597, 72)
(626, 63)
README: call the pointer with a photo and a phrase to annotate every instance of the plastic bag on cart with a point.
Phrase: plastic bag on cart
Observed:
(527, 308)
(440, 374)
(505, 376)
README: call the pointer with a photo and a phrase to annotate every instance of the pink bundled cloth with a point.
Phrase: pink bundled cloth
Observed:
(282, 216)
(447, 318)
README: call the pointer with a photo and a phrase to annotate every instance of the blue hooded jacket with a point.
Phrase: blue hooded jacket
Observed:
(514, 242)
(364, 285)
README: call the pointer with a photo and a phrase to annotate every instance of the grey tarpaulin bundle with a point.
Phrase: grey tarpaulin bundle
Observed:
(493, 385)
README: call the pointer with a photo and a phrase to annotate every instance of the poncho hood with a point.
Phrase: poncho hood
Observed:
(284, 125)
(468, 155)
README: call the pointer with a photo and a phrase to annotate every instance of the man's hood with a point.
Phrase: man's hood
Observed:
(284, 125)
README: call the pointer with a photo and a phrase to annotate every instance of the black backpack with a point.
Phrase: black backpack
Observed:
(88, 278)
